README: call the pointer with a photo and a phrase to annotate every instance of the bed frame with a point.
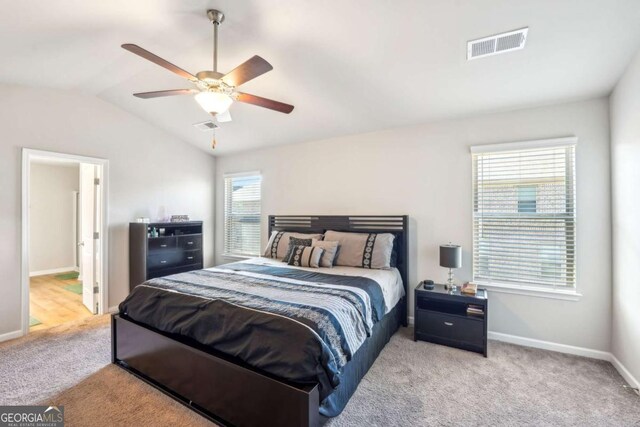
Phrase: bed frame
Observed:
(225, 389)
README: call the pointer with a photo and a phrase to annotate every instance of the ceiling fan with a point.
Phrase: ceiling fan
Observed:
(214, 91)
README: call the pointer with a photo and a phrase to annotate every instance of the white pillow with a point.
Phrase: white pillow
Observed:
(366, 250)
(330, 251)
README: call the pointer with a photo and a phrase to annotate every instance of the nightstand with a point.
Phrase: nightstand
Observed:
(442, 317)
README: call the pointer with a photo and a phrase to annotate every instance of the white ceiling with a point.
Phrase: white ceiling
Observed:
(347, 66)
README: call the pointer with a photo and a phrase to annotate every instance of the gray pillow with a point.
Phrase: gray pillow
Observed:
(305, 256)
(293, 242)
(329, 254)
(279, 243)
(366, 250)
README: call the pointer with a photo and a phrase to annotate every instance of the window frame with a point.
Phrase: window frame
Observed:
(226, 176)
(530, 289)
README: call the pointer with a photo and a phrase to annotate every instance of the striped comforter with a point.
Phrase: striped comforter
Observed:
(300, 325)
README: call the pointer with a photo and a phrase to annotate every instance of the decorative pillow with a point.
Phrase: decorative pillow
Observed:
(329, 254)
(279, 243)
(293, 242)
(305, 256)
(363, 250)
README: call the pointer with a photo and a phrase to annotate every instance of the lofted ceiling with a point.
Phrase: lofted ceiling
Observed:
(348, 66)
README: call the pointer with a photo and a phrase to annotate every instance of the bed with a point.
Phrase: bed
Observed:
(259, 342)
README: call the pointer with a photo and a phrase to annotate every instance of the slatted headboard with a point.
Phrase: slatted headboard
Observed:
(395, 224)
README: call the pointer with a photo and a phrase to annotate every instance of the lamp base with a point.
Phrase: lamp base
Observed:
(450, 286)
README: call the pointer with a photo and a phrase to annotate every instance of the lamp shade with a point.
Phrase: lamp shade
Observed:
(450, 256)
(214, 102)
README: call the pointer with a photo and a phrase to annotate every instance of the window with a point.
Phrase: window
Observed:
(242, 200)
(527, 198)
(524, 218)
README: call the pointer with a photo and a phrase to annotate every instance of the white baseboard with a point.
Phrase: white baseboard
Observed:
(10, 335)
(564, 348)
(113, 309)
(633, 382)
(552, 346)
(52, 271)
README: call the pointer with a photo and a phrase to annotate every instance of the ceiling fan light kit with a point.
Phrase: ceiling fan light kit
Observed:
(214, 102)
(215, 92)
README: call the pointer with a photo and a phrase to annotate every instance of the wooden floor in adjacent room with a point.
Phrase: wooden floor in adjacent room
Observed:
(51, 304)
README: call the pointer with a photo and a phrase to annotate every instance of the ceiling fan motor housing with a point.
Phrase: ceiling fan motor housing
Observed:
(215, 16)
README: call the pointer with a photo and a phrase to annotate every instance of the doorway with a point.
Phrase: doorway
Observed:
(63, 238)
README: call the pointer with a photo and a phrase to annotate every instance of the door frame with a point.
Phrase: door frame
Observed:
(28, 155)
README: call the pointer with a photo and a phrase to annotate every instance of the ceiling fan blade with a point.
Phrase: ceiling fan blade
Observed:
(222, 117)
(159, 61)
(160, 93)
(264, 102)
(248, 70)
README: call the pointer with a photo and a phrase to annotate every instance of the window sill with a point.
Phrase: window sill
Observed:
(533, 291)
(234, 256)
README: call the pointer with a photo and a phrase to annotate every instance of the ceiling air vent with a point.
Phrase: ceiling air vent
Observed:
(205, 126)
(500, 43)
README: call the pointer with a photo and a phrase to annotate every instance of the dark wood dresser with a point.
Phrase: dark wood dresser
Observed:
(178, 248)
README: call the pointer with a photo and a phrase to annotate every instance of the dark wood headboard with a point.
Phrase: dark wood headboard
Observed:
(395, 224)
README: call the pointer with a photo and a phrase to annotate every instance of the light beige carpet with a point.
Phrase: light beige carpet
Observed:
(411, 384)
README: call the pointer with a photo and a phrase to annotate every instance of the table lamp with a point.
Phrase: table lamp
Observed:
(450, 257)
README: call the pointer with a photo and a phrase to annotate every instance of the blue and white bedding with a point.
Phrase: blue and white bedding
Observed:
(300, 324)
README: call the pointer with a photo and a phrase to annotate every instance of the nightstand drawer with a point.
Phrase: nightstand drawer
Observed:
(454, 328)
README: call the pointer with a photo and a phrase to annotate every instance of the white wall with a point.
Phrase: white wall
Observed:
(425, 172)
(151, 174)
(52, 228)
(625, 172)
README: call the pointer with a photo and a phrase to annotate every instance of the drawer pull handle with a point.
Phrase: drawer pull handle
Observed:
(189, 243)
(163, 246)
(448, 323)
(189, 257)
(163, 262)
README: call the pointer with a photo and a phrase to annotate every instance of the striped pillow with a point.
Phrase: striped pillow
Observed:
(279, 243)
(305, 256)
(293, 242)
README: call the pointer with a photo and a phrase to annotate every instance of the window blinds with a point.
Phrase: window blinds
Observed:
(242, 200)
(524, 214)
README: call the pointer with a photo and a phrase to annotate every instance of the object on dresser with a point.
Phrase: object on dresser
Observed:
(475, 310)
(469, 288)
(179, 218)
(154, 254)
(428, 284)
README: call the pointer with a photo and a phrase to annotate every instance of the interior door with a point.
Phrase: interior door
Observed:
(87, 229)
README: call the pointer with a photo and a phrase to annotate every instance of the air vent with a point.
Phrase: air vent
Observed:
(206, 126)
(500, 43)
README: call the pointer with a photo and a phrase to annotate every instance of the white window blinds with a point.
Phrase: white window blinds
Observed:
(524, 213)
(242, 201)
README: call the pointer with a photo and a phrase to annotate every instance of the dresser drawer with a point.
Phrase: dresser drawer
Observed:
(452, 328)
(160, 244)
(169, 271)
(191, 257)
(164, 260)
(190, 242)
